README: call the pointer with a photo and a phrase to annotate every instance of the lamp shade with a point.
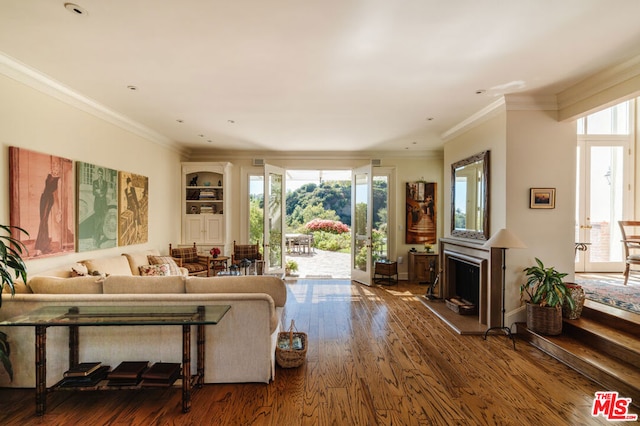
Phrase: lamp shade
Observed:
(504, 239)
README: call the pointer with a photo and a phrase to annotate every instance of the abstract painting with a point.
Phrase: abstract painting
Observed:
(133, 209)
(421, 213)
(41, 187)
(97, 207)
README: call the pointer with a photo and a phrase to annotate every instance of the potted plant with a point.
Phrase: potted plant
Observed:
(545, 293)
(11, 250)
(290, 266)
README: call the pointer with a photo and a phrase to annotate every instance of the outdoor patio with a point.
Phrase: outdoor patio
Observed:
(321, 264)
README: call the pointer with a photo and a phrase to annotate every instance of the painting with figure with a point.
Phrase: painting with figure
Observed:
(41, 201)
(421, 213)
(133, 209)
(97, 207)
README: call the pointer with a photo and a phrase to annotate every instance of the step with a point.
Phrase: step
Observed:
(606, 338)
(609, 372)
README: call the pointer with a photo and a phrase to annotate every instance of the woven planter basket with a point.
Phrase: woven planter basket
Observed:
(288, 357)
(544, 320)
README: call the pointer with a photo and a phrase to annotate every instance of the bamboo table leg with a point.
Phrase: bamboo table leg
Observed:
(41, 369)
(200, 360)
(186, 368)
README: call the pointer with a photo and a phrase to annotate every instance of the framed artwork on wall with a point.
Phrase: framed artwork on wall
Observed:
(542, 198)
(97, 207)
(41, 202)
(421, 213)
(133, 209)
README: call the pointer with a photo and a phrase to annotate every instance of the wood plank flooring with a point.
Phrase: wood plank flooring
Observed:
(377, 356)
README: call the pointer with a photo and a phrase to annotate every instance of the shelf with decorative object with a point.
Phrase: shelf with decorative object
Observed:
(205, 190)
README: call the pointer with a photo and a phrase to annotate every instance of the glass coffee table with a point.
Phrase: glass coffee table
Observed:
(74, 317)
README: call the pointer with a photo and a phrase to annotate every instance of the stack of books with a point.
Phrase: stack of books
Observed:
(161, 374)
(208, 194)
(85, 374)
(128, 373)
(206, 210)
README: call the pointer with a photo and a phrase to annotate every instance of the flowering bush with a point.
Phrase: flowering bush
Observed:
(215, 252)
(332, 226)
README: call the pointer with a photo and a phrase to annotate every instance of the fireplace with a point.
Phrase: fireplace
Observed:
(472, 272)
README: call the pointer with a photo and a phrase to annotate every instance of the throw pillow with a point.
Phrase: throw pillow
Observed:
(168, 260)
(79, 270)
(154, 270)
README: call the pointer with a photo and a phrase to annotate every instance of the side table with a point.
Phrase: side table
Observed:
(219, 264)
(387, 270)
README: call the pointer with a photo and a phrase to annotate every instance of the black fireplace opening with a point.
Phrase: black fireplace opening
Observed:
(466, 277)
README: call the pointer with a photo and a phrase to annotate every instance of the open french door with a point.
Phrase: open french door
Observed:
(274, 218)
(361, 223)
(602, 200)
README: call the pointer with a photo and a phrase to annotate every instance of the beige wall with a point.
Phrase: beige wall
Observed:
(36, 121)
(529, 148)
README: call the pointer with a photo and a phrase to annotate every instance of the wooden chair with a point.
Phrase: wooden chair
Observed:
(188, 258)
(245, 251)
(631, 242)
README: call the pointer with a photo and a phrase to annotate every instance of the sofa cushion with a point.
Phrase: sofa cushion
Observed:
(187, 254)
(273, 286)
(154, 270)
(115, 284)
(138, 259)
(75, 285)
(174, 269)
(112, 265)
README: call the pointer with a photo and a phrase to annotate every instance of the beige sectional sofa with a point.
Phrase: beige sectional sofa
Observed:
(241, 348)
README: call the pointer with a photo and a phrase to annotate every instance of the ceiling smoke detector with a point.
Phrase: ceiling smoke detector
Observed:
(75, 9)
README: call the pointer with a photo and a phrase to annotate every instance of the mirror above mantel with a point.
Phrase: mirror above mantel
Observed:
(470, 197)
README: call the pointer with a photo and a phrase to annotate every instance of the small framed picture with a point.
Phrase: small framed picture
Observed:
(543, 198)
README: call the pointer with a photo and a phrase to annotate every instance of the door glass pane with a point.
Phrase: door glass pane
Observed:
(256, 208)
(360, 223)
(380, 231)
(606, 190)
(275, 220)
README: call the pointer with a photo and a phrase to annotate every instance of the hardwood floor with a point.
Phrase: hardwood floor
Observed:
(377, 356)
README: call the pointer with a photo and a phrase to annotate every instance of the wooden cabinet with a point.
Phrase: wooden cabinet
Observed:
(423, 267)
(205, 197)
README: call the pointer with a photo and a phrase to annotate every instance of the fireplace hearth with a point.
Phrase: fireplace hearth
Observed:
(470, 272)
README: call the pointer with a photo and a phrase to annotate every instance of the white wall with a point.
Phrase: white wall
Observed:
(36, 121)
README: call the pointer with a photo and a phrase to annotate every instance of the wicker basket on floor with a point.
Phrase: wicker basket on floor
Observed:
(287, 356)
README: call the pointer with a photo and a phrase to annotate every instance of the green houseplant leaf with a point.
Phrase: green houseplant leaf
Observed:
(11, 252)
(545, 286)
(11, 265)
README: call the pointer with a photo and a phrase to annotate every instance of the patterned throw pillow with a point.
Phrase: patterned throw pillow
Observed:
(154, 270)
(79, 270)
(165, 260)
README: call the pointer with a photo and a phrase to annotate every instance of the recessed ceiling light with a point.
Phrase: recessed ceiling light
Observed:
(480, 91)
(414, 143)
(75, 9)
(201, 135)
(429, 118)
(231, 121)
(209, 140)
(132, 88)
(179, 120)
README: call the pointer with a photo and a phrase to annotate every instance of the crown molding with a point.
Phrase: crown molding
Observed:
(607, 87)
(474, 120)
(45, 84)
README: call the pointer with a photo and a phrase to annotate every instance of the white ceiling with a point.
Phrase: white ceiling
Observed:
(326, 75)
